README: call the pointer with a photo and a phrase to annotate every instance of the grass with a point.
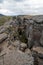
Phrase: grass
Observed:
(4, 19)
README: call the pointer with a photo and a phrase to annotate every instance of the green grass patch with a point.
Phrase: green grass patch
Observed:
(4, 19)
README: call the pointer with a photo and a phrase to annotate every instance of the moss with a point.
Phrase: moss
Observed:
(22, 36)
(23, 39)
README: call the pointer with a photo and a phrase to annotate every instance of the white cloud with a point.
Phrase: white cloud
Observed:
(6, 12)
(16, 7)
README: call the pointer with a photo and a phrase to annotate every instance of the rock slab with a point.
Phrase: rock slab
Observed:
(17, 58)
(3, 37)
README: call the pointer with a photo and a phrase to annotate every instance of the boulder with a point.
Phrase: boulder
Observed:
(3, 37)
(38, 18)
(28, 51)
(23, 46)
(39, 51)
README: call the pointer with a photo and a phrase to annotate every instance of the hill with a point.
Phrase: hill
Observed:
(1, 15)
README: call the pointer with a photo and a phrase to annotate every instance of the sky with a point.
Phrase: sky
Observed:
(21, 7)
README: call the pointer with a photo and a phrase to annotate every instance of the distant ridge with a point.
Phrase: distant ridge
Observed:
(1, 15)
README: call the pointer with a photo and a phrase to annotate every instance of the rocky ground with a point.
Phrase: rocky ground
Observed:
(13, 56)
(21, 41)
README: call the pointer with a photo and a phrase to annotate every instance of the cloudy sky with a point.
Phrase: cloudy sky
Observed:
(21, 7)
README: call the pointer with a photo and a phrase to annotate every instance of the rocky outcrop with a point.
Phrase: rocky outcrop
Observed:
(28, 36)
